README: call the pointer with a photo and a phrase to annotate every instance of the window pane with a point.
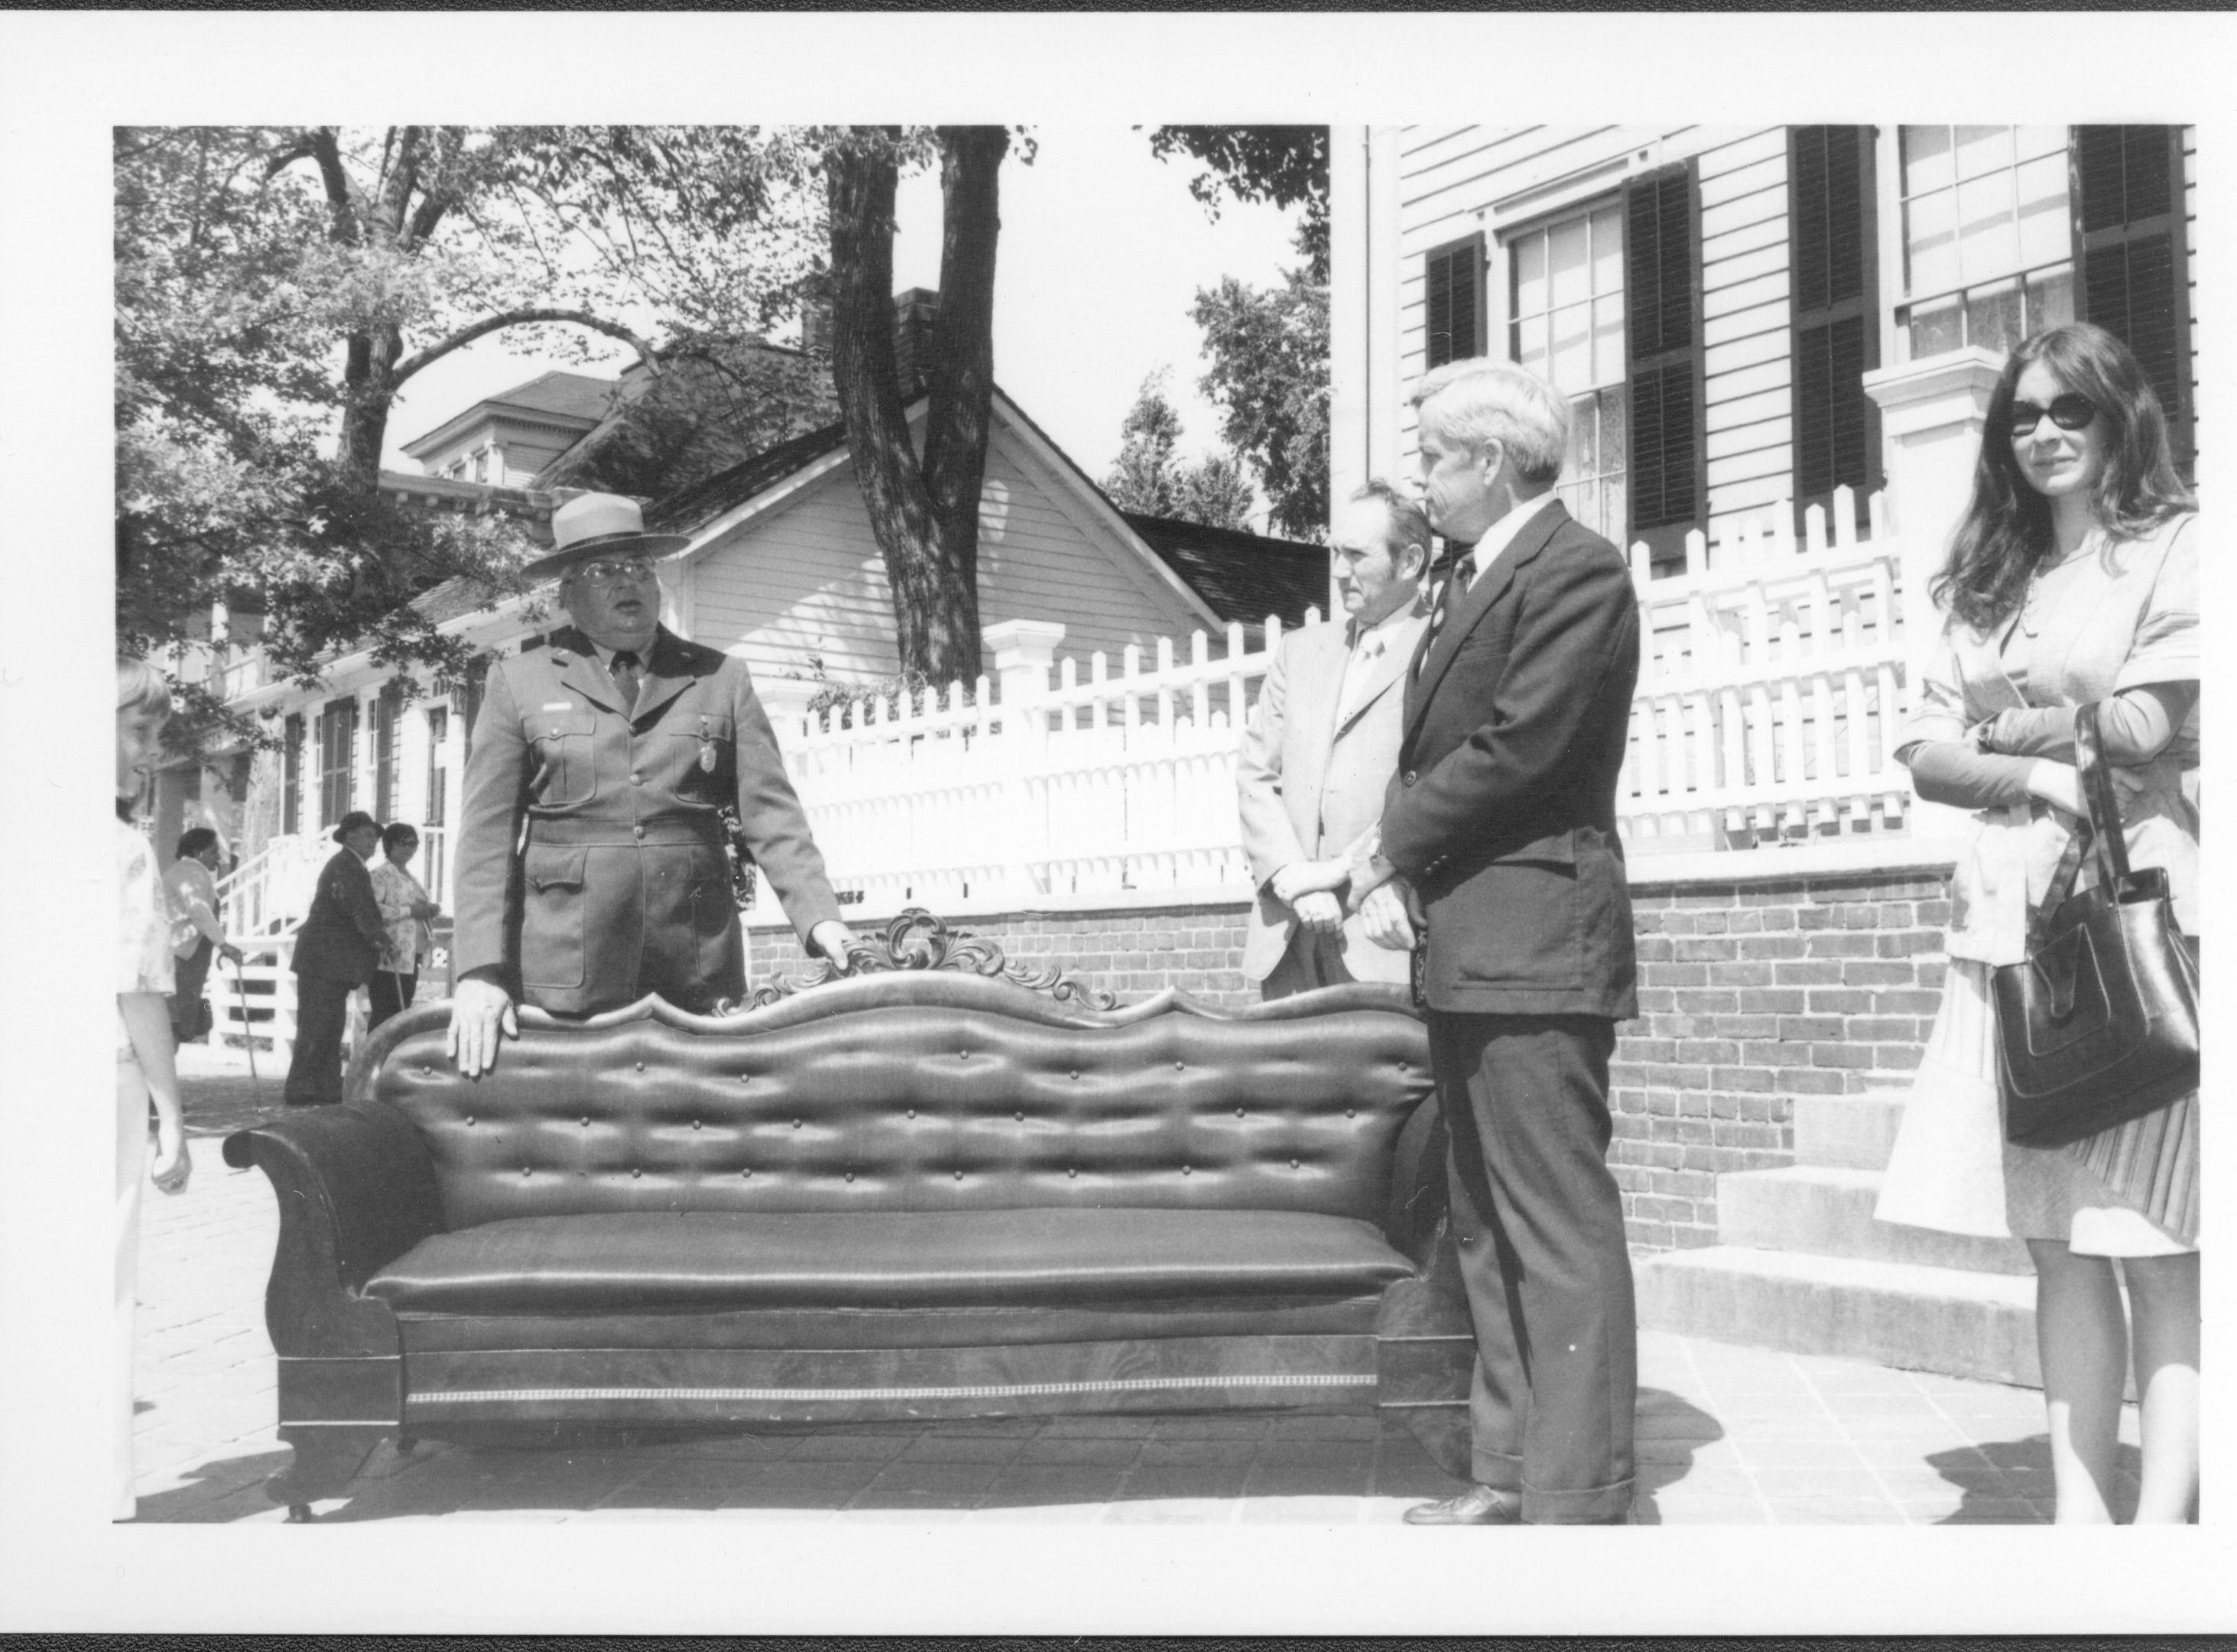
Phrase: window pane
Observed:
(1607, 251)
(1530, 343)
(1614, 425)
(1570, 271)
(1926, 162)
(1530, 275)
(1936, 327)
(2044, 234)
(1982, 150)
(1992, 316)
(1988, 240)
(1607, 340)
(2040, 139)
(1571, 367)
(1584, 440)
(2050, 298)
(1930, 241)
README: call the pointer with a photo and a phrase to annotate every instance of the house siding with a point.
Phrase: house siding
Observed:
(796, 582)
(1450, 180)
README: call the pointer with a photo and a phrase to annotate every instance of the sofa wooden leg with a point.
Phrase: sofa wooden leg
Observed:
(299, 1514)
(1445, 1434)
(327, 1460)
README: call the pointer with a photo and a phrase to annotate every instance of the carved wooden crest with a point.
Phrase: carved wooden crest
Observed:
(916, 939)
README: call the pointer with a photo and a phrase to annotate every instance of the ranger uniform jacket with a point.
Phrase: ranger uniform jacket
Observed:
(618, 886)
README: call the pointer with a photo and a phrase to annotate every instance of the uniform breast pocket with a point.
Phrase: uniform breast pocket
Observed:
(566, 758)
(701, 752)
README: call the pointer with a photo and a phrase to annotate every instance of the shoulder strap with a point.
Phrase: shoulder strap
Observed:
(2097, 792)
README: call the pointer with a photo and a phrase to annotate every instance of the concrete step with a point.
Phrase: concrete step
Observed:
(1916, 1318)
(1848, 1132)
(1828, 1212)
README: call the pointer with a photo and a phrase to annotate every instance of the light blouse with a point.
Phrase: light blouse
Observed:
(143, 934)
(410, 942)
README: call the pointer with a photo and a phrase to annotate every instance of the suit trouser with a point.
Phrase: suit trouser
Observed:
(1539, 1223)
(314, 1076)
(389, 994)
(1311, 959)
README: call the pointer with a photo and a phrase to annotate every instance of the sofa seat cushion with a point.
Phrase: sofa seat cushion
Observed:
(712, 1261)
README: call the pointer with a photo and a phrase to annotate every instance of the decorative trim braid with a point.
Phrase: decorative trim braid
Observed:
(915, 940)
(986, 1390)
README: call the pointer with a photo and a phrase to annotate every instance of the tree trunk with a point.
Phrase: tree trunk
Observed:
(368, 391)
(925, 516)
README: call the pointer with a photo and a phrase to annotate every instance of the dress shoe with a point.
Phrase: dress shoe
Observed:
(1480, 1505)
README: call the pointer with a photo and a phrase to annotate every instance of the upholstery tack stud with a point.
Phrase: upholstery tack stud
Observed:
(586, 1121)
(912, 1112)
(1075, 1073)
(640, 1066)
(1180, 1066)
(1020, 1117)
(1293, 1164)
(1071, 1172)
(850, 1175)
(694, 1124)
(1238, 1112)
(959, 1175)
(470, 1119)
(1185, 1170)
(634, 1170)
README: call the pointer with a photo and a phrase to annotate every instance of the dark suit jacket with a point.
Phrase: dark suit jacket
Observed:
(341, 940)
(1502, 813)
(621, 887)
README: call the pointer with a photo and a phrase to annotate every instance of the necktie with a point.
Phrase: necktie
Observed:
(626, 674)
(1455, 587)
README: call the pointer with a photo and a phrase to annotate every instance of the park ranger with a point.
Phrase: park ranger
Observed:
(616, 746)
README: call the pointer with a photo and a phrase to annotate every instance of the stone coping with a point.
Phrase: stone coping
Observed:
(1859, 858)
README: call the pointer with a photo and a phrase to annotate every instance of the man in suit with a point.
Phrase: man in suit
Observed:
(1320, 749)
(335, 951)
(1503, 818)
(617, 747)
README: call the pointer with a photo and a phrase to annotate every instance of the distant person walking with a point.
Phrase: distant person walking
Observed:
(335, 951)
(2073, 579)
(406, 914)
(190, 886)
(146, 1069)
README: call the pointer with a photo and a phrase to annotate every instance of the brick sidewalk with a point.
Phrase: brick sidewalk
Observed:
(1726, 1434)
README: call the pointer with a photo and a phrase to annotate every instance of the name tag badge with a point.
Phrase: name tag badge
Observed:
(560, 705)
(706, 748)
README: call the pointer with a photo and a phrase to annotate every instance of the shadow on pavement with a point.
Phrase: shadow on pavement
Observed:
(225, 1488)
(2008, 1482)
(1668, 1429)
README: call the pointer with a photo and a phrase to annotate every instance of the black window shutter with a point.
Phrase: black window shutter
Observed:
(2130, 255)
(1662, 347)
(1452, 302)
(1835, 338)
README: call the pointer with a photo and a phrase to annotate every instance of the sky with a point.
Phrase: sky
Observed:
(1102, 250)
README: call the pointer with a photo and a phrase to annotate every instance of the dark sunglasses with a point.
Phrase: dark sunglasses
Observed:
(2071, 411)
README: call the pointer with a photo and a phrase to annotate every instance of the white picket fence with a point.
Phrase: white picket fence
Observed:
(1771, 686)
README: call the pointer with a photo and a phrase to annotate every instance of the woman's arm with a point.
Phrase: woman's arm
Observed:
(2136, 725)
(1945, 771)
(148, 1023)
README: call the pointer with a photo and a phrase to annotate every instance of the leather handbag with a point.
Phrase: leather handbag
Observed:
(2100, 1025)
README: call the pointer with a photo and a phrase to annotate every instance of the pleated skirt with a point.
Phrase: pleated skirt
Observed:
(2131, 1191)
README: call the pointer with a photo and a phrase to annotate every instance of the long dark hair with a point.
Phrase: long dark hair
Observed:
(2006, 531)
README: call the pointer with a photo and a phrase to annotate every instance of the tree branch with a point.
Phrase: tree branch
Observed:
(325, 149)
(487, 325)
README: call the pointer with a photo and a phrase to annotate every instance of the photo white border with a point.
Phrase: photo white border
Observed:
(67, 78)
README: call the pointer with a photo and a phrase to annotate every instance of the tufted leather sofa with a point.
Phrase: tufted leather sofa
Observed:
(904, 1195)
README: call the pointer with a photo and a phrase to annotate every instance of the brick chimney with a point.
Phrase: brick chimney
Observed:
(913, 313)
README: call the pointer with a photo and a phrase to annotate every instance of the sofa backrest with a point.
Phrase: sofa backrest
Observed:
(917, 1093)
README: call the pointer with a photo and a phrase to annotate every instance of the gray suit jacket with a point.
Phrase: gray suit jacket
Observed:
(1311, 785)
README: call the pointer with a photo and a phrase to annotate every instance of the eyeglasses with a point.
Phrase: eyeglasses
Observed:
(2071, 411)
(602, 572)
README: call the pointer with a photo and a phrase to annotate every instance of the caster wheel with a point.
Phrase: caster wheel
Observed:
(299, 1514)
(405, 1445)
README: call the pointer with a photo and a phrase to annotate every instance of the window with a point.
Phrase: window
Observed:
(1988, 255)
(386, 758)
(438, 773)
(337, 760)
(1662, 351)
(1835, 316)
(1566, 302)
(1452, 302)
(291, 775)
(481, 466)
(2129, 244)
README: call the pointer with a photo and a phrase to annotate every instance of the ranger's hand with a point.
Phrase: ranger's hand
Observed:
(835, 941)
(1319, 911)
(480, 1009)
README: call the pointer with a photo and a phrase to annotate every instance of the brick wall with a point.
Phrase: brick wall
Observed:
(1750, 994)
(1133, 952)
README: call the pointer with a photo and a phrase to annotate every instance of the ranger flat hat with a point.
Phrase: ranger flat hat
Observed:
(355, 820)
(594, 524)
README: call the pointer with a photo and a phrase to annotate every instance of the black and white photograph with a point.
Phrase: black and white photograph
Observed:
(893, 787)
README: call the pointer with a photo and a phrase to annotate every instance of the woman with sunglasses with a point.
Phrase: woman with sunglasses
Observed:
(2072, 579)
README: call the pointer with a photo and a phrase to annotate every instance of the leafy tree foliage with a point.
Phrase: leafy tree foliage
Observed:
(1150, 476)
(1285, 165)
(276, 288)
(1269, 375)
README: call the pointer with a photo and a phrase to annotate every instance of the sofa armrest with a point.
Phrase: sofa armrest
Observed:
(1417, 1183)
(356, 1190)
